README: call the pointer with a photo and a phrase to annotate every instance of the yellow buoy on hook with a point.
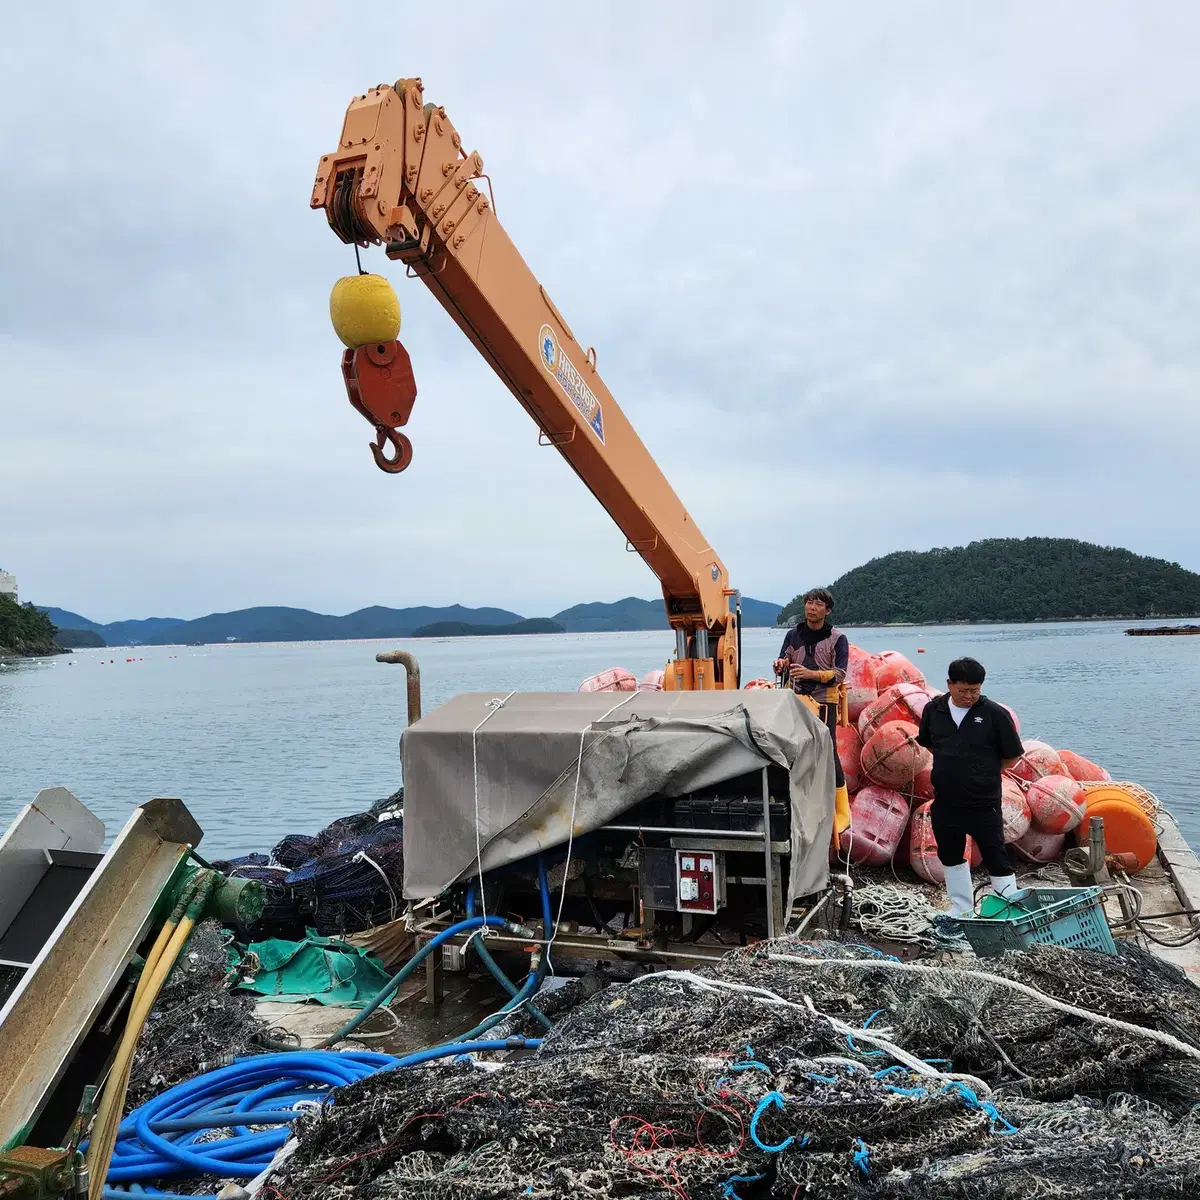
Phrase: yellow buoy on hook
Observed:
(364, 309)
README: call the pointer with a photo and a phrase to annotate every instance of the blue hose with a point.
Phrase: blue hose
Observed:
(404, 972)
(497, 972)
(159, 1141)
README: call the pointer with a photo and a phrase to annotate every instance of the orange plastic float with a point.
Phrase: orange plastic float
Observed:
(1128, 828)
(754, 684)
(1038, 760)
(878, 817)
(922, 853)
(861, 684)
(903, 702)
(1057, 803)
(891, 757)
(891, 668)
(849, 752)
(652, 681)
(1082, 769)
(1014, 808)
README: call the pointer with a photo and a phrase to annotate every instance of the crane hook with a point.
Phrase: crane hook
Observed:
(401, 447)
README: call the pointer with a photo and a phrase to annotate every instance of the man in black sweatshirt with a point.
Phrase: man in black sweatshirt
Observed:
(814, 657)
(972, 740)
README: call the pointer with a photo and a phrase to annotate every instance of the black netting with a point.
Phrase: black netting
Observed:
(699, 1087)
(197, 1022)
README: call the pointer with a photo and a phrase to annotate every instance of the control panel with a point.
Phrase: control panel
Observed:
(699, 881)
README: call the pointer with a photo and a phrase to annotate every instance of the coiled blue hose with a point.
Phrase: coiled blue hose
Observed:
(159, 1141)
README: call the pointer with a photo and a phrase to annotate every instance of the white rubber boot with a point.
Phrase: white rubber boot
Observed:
(1006, 886)
(958, 888)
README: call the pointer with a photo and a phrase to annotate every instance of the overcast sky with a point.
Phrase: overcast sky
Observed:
(865, 277)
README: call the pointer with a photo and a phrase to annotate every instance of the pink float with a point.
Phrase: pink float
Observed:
(652, 681)
(904, 702)
(891, 668)
(922, 854)
(1040, 847)
(1058, 803)
(891, 757)
(1082, 769)
(878, 817)
(1014, 809)
(849, 751)
(1038, 760)
(615, 679)
(861, 687)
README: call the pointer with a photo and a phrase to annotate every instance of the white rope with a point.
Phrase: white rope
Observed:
(363, 856)
(881, 964)
(895, 914)
(493, 706)
(871, 1037)
(562, 899)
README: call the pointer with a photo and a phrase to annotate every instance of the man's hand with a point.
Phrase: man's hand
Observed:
(798, 673)
(780, 665)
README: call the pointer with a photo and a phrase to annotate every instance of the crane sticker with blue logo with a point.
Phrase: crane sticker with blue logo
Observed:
(570, 380)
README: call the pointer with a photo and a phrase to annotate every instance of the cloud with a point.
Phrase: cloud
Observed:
(889, 279)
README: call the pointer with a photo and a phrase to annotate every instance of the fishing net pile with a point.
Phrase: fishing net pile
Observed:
(761, 1078)
(197, 1022)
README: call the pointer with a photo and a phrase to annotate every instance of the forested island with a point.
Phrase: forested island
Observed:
(25, 631)
(1010, 579)
(466, 629)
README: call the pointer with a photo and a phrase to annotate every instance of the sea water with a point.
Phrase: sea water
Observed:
(263, 740)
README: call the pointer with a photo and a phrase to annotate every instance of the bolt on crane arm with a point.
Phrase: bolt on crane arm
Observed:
(401, 179)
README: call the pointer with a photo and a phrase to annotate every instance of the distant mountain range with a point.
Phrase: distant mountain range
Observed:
(273, 624)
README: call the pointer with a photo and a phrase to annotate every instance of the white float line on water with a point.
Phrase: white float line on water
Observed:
(766, 996)
(880, 964)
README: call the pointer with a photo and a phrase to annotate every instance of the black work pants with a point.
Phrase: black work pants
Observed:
(829, 714)
(953, 824)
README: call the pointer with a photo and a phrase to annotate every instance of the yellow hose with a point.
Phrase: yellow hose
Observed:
(159, 962)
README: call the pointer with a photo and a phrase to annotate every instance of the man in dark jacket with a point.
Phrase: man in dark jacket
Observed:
(814, 657)
(972, 739)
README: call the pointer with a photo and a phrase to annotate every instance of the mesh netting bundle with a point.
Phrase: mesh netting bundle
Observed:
(281, 913)
(197, 1021)
(694, 1085)
(294, 849)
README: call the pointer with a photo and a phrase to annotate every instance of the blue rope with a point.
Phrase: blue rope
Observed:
(861, 1155)
(769, 1100)
(999, 1125)
(727, 1187)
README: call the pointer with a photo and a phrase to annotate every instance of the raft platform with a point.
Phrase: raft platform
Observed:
(1161, 630)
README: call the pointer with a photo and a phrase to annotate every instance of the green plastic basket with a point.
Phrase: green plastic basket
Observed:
(1060, 916)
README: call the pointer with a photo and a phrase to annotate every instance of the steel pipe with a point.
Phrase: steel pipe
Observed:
(404, 659)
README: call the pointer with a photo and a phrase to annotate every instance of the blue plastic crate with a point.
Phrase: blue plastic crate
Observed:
(1059, 916)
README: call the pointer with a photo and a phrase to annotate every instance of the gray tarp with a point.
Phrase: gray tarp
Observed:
(520, 774)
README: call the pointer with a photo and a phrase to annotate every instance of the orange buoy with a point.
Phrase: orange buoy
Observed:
(1015, 810)
(861, 686)
(849, 752)
(1127, 828)
(878, 818)
(1040, 847)
(615, 679)
(920, 649)
(652, 681)
(1016, 723)
(892, 668)
(903, 702)
(1038, 760)
(1082, 769)
(758, 683)
(1057, 803)
(891, 757)
(1106, 789)
(922, 854)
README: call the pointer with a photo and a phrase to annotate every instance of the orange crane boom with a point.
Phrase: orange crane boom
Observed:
(401, 179)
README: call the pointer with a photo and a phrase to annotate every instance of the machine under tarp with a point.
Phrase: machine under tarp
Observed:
(493, 777)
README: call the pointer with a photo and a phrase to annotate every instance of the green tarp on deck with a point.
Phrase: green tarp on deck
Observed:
(321, 969)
